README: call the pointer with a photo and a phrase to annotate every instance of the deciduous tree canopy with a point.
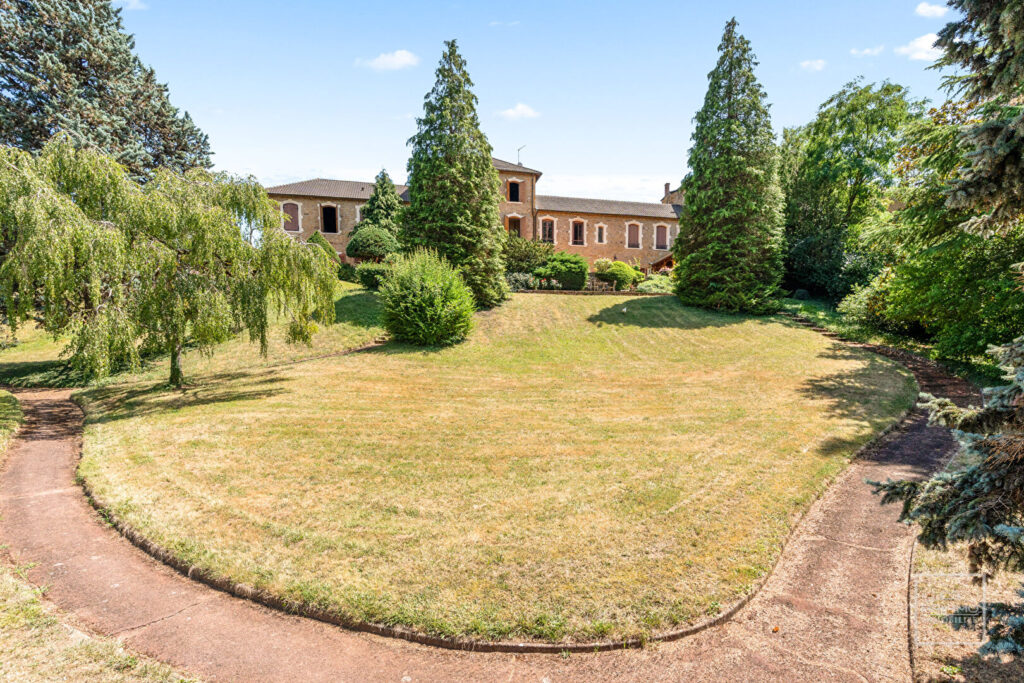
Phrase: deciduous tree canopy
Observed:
(122, 269)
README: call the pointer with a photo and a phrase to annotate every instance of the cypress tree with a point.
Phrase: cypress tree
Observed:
(384, 207)
(453, 187)
(729, 249)
(69, 66)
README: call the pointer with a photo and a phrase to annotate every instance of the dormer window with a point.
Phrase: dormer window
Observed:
(513, 191)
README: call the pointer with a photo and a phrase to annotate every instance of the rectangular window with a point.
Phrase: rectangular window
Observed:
(578, 232)
(291, 210)
(514, 227)
(600, 234)
(547, 231)
(661, 237)
(513, 192)
(329, 219)
(633, 236)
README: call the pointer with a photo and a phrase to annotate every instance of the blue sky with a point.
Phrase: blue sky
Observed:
(601, 93)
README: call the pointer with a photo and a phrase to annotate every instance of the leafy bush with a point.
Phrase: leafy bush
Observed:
(425, 301)
(525, 256)
(518, 282)
(371, 275)
(866, 304)
(660, 284)
(602, 264)
(621, 274)
(571, 270)
(347, 272)
(372, 244)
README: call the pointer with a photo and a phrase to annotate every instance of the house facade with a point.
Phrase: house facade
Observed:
(638, 233)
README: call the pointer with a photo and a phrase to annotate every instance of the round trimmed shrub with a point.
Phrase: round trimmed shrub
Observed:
(571, 270)
(621, 274)
(424, 301)
(370, 275)
(371, 243)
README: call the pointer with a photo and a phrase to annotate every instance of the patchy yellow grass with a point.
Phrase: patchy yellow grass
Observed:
(581, 468)
(37, 643)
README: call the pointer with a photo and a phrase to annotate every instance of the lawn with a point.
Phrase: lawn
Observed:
(581, 468)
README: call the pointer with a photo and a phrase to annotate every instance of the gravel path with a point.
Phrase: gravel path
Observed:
(834, 609)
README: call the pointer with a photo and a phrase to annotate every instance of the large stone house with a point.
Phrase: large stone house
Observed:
(639, 233)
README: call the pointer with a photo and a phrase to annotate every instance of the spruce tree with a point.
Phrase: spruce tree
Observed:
(729, 249)
(384, 207)
(986, 45)
(453, 187)
(69, 66)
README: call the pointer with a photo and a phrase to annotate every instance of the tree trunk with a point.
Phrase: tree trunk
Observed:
(177, 377)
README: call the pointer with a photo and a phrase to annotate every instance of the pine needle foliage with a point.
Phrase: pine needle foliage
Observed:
(729, 249)
(384, 207)
(122, 269)
(70, 66)
(986, 44)
(981, 501)
(454, 189)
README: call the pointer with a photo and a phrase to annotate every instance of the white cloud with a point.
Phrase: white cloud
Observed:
(868, 51)
(390, 61)
(812, 64)
(921, 49)
(926, 9)
(132, 4)
(520, 111)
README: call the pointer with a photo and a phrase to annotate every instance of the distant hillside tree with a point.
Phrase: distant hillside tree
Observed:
(454, 190)
(729, 249)
(70, 66)
(384, 207)
(121, 269)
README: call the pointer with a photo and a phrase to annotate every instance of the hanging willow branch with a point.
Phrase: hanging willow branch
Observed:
(118, 267)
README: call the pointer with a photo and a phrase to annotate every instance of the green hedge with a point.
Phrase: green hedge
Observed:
(370, 275)
(571, 270)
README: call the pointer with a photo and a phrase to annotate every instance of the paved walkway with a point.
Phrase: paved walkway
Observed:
(834, 609)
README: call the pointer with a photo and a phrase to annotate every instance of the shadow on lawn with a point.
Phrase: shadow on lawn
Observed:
(361, 309)
(117, 403)
(663, 312)
(850, 394)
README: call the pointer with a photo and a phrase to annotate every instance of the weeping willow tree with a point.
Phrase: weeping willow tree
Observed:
(122, 270)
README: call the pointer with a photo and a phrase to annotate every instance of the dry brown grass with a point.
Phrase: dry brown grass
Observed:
(581, 468)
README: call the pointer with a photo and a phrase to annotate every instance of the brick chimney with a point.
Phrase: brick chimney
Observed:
(668, 188)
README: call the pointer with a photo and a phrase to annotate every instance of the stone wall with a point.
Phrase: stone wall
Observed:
(309, 211)
(614, 247)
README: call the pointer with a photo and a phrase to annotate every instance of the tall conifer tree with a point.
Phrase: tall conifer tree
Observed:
(70, 66)
(729, 249)
(384, 207)
(453, 187)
